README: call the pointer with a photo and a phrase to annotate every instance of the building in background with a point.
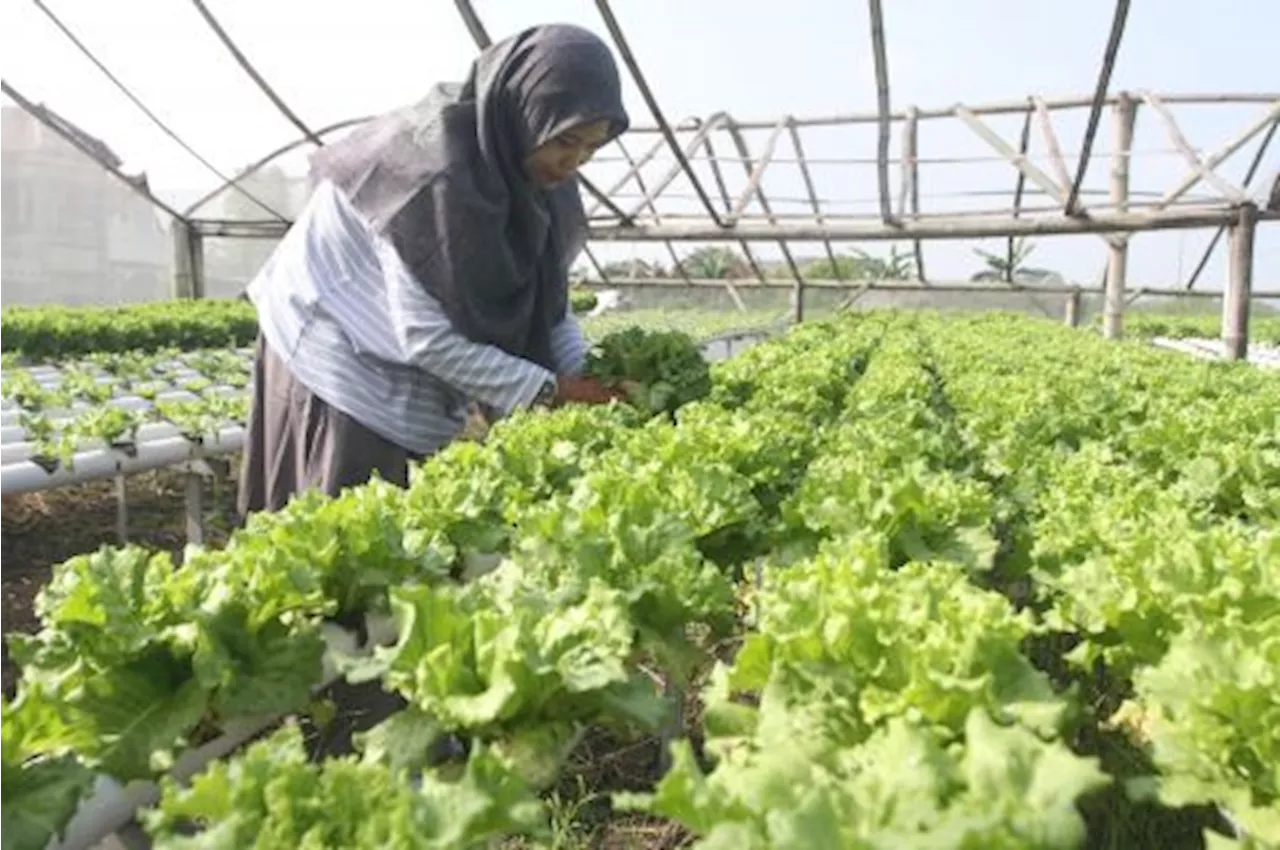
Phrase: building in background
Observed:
(73, 233)
(231, 264)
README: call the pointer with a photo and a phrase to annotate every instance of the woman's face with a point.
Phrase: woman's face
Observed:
(560, 158)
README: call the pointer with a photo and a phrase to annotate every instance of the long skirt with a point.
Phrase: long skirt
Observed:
(295, 441)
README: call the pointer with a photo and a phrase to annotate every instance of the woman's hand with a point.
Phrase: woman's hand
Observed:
(577, 389)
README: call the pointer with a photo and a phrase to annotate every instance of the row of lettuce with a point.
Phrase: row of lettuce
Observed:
(953, 570)
(58, 333)
(54, 333)
(1264, 328)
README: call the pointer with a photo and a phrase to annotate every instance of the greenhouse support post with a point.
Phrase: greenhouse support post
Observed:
(1071, 316)
(193, 502)
(1235, 306)
(188, 261)
(1123, 114)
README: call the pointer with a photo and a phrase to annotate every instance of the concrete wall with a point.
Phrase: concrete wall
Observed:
(73, 234)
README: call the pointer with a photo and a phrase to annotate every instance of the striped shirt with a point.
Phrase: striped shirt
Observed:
(340, 307)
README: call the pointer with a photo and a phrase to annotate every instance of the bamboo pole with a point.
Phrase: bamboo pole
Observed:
(1123, 114)
(1056, 159)
(911, 174)
(812, 191)
(1071, 316)
(999, 107)
(1226, 187)
(936, 286)
(184, 273)
(1241, 139)
(632, 171)
(1024, 147)
(718, 175)
(927, 227)
(1026, 167)
(653, 209)
(683, 165)
(755, 176)
(740, 143)
(1248, 178)
(882, 108)
(629, 59)
(1235, 306)
(988, 108)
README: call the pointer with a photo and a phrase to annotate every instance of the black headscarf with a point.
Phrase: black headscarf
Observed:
(444, 181)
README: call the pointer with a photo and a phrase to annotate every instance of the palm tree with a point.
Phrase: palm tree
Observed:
(1012, 267)
(715, 263)
(859, 265)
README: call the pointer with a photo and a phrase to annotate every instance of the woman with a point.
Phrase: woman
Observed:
(430, 269)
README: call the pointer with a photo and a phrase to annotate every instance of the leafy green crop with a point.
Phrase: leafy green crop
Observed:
(55, 333)
(911, 564)
(666, 368)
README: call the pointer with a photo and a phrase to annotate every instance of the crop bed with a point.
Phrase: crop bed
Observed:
(973, 582)
(115, 412)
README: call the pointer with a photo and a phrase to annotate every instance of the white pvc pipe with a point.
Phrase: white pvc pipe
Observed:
(1210, 349)
(12, 418)
(110, 806)
(153, 432)
(27, 477)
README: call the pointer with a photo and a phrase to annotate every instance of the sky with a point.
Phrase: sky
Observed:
(754, 59)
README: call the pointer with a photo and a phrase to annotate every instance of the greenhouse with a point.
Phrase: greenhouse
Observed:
(937, 501)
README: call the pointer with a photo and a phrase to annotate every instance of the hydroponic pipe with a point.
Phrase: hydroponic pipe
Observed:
(28, 477)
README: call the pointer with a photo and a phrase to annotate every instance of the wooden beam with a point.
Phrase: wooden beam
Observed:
(1000, 107)
(1124, 114)
(1194, 176)
(744, 153)
(1019, 161)
(653, 208)
(1226, 187)
(1248, 178)
(1024, 147)
(911, 162)
(718, 174)
(1235, 306)
(1056, 159)
(756, 175)
(882, 108)
(926, 227)
(682, 165)
(812, 192)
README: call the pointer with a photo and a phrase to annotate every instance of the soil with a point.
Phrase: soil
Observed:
(41, 530)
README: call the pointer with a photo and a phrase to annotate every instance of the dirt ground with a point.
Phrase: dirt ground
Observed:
(41, 530)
